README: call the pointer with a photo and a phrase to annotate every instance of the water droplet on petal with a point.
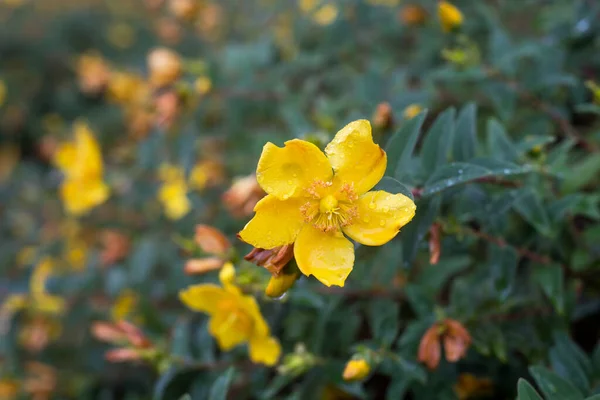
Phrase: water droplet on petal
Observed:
(386, 209)
(372, 206)
(366, 219)
(382, 222)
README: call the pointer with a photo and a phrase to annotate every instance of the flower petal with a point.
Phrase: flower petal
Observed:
(264, 349)
(204, 297)
(327, 256)
(380, 217)
(276, 223)
(285, 171)
(355, 158)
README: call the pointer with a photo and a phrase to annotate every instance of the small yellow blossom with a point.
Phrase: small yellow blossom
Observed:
(356, 370)
(322, 14)
(173, 192)
(450, 16)
(3, 91)
(81, 163)
(124, 305)
(412, 111)
(314, 197)
(202, 85)
(127, 88)
(206, 173)
(93, 73)
(164, 66)
(41, 300)
(235, 318)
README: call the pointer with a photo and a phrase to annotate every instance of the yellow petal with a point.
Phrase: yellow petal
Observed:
(228, 330)
(380, 217)
(79, 196)
(355, 158)
(327, 256)
(65, 157)
(276, 223)
(89, 156)
(264, 349)
(204, 298)
(286, 171)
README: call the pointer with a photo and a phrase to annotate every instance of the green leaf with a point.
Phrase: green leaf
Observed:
(143, 260)
(460, 172)
(219, 389)
(594, 397)
(581, 174)
(413, 233)
(551, 280)
(401, 145)
(436, 144)
(465, 136)
(384, 316)
(503, 269)
(530, 207)
(174, 383)
(499, 144)
(526, 392)
(553, 386)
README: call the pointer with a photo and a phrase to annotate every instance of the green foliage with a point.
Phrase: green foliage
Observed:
(501, 157)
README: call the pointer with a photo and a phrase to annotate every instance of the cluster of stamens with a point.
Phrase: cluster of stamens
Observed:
(329, 210)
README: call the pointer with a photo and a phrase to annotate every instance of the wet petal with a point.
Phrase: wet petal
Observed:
(380, 217)
(265, 350)
(276, 223)
(285, 171)
(355, 158)
(327, 256)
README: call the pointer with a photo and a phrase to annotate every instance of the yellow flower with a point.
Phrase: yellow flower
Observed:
(81, 163)
(314, 197)
(3, 91)
(356, 370)
(203, 85)
(322, 14)
(206, 173)
(450, 16)
(235, 318)
(41, 300)
(173, 192)
(124, 305)
(412, 111)
(127, 88)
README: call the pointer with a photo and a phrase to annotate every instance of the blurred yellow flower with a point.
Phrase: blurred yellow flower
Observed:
(93, 73)
(235, 318)
(81, 163)
(173, 193)
(124, 305)
(320, 12)
(202, 85)
(412, 111)
(450, 16)
(127, 88)
(206, 173)
(3, 91)
(164, 66)
(314, 197)
(356, 370)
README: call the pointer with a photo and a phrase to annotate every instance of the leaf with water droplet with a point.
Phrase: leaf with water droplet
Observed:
(553, 386)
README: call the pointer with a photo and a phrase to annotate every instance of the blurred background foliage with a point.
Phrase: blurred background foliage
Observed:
(489, 115)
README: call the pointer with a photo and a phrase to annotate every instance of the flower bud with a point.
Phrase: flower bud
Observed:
(122, 355)
(211, 240)
(164, 66)
(227, 274)
(133, 334)
(435, 246)
(450, 16)
(108, 332)
(242, 196)
(199, 266)
(115, 246)
(274, 260)
(412, 111)
(413, 14)
(383, 117)
(356, 370)
(167, 106)
(278, 285)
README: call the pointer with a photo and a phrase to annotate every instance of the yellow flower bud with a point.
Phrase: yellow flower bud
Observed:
(412, 111)
(356, 370)
(450, 16)
(203, 85)
(164, 66)
(227, 274)
(278, 285)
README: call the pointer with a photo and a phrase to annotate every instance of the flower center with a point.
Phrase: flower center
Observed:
(328, 209)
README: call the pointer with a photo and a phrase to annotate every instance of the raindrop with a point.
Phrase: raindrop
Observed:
(290, 181)
(372, 206)
(386, 209)
(382, 223)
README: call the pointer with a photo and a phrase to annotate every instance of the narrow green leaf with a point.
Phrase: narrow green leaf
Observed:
(582, 173)
(499, 143)
(401, 145)
(384, 316)
(526, 392)
(570, 362)
(391, 185)
(503, 268)
(551, 280)
(460, 172)
(530, 207)
(219, 389)
(413, 233)
(436, 144)
(553, 386)
(465, 136)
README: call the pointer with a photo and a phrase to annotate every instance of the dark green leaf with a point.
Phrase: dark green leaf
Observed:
(391, 185)
(526, 392)
(553, 386)
(581, 174)
(436, 145)
(551, 280)
(219, 389)
(530, 207)
(384, 321)
(401, 145)
(465, 136)
(413, 233)
(500, 146)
